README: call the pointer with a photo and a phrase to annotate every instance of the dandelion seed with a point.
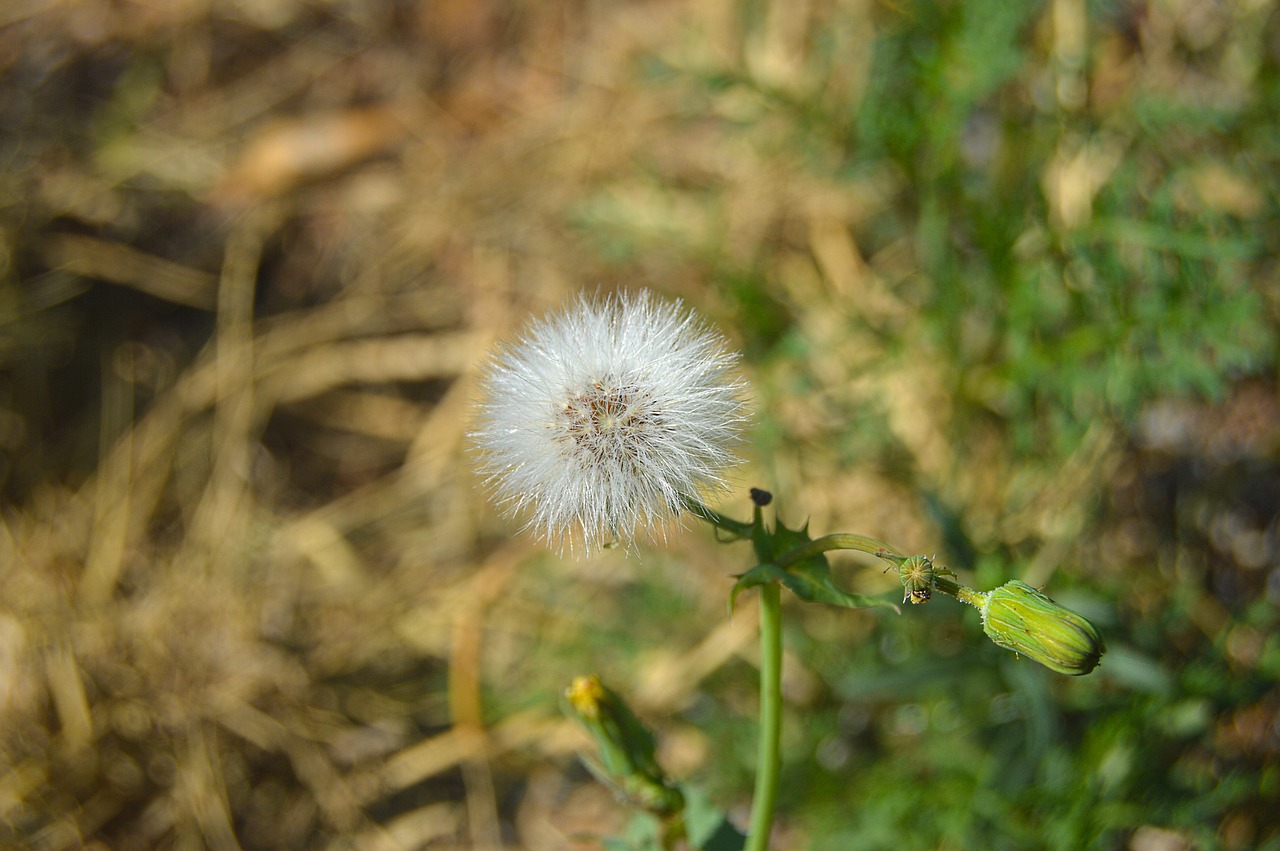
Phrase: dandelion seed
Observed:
(600, 421)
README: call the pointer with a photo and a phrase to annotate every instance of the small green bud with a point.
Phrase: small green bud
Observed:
(625, 745)
(918, 574)
(1020, 618)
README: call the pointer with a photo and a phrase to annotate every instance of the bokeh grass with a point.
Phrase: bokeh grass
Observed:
(1005, 279)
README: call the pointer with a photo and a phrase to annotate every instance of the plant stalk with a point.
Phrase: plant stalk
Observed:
(767, 763)
(960, 592)
(736, 528)
(826, 543)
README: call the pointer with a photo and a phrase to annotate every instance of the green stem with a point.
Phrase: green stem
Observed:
(734, 527)
(826, 543)
(766, 794)
(961, 593)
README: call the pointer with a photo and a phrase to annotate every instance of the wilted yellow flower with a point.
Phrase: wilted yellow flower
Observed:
(585, 695)
(627, 750)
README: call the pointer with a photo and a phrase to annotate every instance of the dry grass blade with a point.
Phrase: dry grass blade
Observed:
(99, 259)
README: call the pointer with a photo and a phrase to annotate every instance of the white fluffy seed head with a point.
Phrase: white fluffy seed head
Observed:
(600, 420)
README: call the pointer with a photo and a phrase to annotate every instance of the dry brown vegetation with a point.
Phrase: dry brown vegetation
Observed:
(248, 582)
(250, 253)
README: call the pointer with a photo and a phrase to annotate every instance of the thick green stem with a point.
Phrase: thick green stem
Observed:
(767, 763)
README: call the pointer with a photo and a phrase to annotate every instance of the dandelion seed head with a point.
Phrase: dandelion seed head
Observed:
(599, 421)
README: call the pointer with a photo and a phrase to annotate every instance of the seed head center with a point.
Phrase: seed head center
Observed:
(605, 417)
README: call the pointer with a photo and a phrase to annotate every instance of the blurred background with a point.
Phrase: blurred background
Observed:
(1005, 280)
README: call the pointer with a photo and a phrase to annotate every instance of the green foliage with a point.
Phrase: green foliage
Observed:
(809, 577)
(1051, 325)
(1073, 322)
(706, 828)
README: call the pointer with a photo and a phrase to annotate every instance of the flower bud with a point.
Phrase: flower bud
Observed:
(919, 577)
(918, 574)
(625, 745)
(1020, 618)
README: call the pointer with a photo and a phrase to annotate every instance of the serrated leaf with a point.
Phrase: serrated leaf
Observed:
(808, 578)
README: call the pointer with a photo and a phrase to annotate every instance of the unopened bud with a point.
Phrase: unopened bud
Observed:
(1020, 618)
(918, 574)
(625, 745)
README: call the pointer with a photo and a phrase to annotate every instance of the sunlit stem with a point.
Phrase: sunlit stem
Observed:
(767, 763)
(961, 593)
(727, 524)
(826, 543)
(768, 758)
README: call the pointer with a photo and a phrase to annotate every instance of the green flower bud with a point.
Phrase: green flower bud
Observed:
(918, 574)
(625, 745)
(1020, 618)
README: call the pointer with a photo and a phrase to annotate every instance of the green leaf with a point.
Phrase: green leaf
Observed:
(809, 578)
(642, 833)
(707, 826)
